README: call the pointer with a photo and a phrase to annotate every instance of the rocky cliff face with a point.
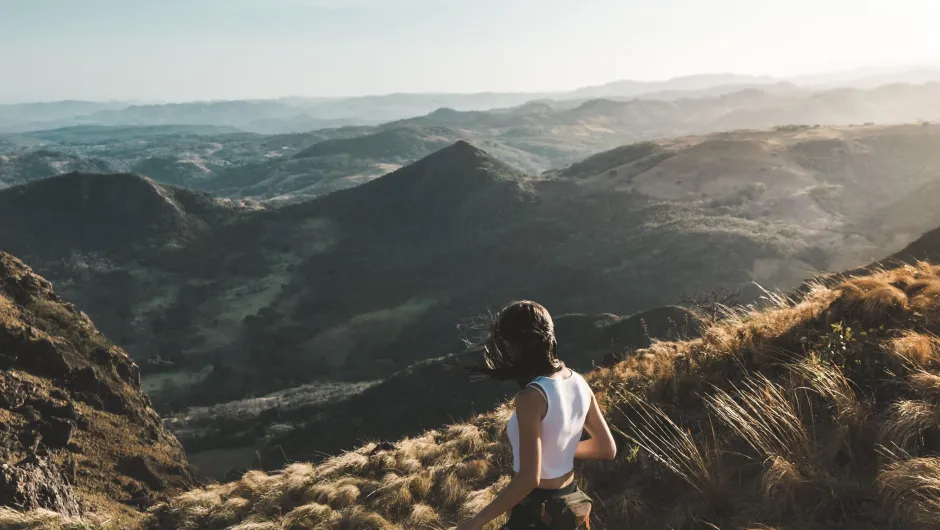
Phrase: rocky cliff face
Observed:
(76, 431)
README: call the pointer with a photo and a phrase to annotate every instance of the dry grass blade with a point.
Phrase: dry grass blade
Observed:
(42, 520)
(654, 431)
(908, 421)
(775, 299)
(916, 350)
(910, 490)
(925, 384)
(827, 380)
(765, 419)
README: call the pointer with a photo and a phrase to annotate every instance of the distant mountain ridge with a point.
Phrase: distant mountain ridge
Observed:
(534, 137)
(294, 114)
(692, 83)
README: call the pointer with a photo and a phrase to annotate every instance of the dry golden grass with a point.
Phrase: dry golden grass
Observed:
(908, 422)
(911, 492)
(46, 520)
(829, 382)
(776, 418)
(925, 384)
(307, 516)
(651, 429)
(916, 349)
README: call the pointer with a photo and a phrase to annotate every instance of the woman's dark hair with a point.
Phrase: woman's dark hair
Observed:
(520, 346)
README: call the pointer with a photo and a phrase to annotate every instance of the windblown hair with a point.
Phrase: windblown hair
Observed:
(520, 346)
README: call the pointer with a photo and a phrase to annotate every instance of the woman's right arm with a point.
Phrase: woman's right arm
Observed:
(601, 445)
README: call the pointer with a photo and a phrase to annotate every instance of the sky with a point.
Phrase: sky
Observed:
(180, 50)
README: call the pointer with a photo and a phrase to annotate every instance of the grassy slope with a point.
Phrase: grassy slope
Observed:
(776, 418)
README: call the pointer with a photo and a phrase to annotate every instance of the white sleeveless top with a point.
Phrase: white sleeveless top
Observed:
(569, 400)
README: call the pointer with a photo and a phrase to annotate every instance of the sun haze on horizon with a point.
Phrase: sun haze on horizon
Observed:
(178, 50)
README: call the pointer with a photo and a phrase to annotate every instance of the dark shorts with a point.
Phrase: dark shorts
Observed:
(526, 515)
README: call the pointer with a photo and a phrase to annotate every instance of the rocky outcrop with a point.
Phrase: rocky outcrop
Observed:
(76, 431)
(35, 483)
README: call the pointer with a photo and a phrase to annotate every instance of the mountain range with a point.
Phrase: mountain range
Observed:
(534, 137)
(219, 299)
(297, 114)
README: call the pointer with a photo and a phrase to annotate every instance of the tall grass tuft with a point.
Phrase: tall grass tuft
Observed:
(652, 430)
(910, 490)
(761, 414)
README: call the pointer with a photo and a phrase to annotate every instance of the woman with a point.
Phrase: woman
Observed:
(553, 408)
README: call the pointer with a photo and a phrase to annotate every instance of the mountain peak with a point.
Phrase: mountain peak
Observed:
(102, 212)
(461, 157)
(450, 179)
(444, 112)
(90, 183)
(463, 145)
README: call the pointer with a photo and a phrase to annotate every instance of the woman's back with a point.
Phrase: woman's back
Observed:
(568, 402)
(554, 409)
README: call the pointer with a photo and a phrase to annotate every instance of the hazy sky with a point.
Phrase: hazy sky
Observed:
(221, 49)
